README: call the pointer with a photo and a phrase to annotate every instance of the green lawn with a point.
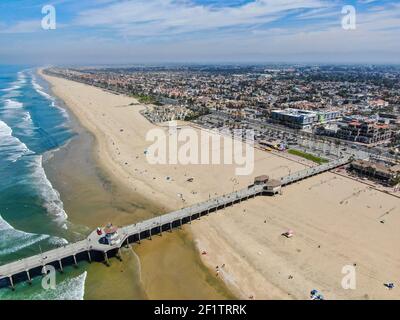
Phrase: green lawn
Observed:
(145, 99)
(307, 156)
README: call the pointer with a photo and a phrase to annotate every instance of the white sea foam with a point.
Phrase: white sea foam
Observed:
(11, 148)
(21, 80)
(50, 196)
(39, 89)
(12, 240)
(27, 117)
(69, 289)
(12, 91)
(14, 110)
(58, 242)
(14, 87)
(13, 104)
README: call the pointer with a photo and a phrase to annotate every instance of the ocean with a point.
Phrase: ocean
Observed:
(33, 125)
(53, 191)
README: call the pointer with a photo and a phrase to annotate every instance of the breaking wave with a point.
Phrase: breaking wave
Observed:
(51, 196)
(12, 240)
(39, 89)
(11, 148)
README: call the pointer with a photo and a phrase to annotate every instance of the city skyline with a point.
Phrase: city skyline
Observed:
(207, 31)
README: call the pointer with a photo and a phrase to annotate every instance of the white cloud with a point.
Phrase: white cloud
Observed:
(166, 17)
(180, 31)
(366, 1)
(28, 26)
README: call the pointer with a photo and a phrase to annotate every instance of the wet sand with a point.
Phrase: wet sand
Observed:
(175, 254)
(120, 281)
(337, 221)
(93, 198)
(120, 132)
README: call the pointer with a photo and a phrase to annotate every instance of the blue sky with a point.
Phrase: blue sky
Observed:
(157, 31)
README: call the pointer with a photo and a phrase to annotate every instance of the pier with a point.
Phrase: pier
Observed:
(93, 249)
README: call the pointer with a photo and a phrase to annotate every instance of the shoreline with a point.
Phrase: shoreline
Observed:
(245, 242)
(86, 177)
(78, 149)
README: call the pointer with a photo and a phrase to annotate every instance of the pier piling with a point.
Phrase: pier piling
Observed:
(11, 283)
(106, 259)
(29, 277)
(93, 243)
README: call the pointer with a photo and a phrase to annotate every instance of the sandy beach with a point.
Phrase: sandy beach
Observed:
(336, 221)
(94, 196)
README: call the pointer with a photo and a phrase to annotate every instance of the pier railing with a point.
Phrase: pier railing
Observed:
(25, 269)
(309, 172)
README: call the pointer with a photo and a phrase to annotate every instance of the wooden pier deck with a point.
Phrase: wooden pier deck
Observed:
(91, 249)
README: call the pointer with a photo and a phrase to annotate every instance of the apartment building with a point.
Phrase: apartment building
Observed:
(303, 119)
(376, 171)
